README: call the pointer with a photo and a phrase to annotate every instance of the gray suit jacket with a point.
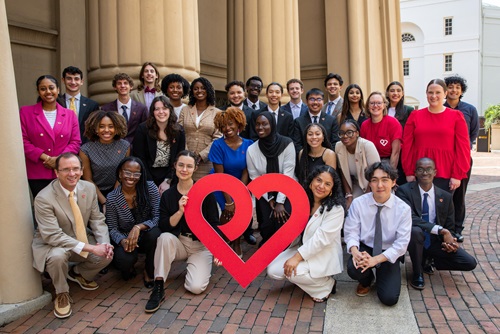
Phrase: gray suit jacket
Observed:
(139, 96)
(56, 224)
(336, 110)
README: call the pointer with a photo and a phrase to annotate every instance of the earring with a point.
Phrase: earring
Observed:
(330, 193)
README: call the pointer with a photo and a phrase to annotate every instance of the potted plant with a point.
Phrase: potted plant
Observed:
(492, 119)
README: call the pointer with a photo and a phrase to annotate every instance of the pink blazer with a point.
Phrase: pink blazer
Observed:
(39, 137)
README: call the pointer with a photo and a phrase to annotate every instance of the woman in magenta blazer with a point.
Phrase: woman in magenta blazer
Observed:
(48, 130)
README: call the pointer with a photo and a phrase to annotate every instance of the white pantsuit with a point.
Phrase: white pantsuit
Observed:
(321, 250)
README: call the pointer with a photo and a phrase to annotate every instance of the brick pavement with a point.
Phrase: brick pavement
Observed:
(452, 302)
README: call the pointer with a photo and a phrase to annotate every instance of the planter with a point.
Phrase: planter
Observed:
(495, 136)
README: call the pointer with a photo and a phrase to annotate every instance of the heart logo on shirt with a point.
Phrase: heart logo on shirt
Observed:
(384, 142)
(245, 272)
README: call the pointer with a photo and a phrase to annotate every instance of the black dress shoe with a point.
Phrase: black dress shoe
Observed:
(428, 269)
(418, 282)
(250, 239)
(460, 238)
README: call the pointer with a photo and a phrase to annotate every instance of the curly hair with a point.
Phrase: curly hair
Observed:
(92, 124)
(367, 106)
(303, 160)
(208, 87)
(346, 106)
(335, 197)
(174, 77)
(141, 76)
(122, 76)
(172, 129)
(456, 79)
(142, 200)
(232, 113)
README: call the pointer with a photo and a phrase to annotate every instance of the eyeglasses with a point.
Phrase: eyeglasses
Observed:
(427, 170)
(67, 170)
(131, 175)
(312, 99)
(348, 133)
(376, 103)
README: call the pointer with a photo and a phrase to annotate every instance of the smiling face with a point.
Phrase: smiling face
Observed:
(333, 87)
(435, 96)
(354, 95)
(199, 92)
(48, 91)
(425, 172)
(149, 75)
(262, 127)
(236, 95)
(348, 134)
(174, 91)
(381, 186)
(185, 167)
(321, 186)
(376, 107)
(314, 136)
(73, 83)
(122, 87)
(161, 112)
(69, 172)
(295, 90)
(254, 89)
(106, 130)
(454, 92)
(130, 174)
(395, 94)
(274, 95)
(315, 103)
(231, 129)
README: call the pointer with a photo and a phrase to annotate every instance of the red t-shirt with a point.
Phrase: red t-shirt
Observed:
(382, 134)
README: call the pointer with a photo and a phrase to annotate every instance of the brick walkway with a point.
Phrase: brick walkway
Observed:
(452, 302)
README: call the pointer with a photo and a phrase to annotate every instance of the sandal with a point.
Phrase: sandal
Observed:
(320, 300)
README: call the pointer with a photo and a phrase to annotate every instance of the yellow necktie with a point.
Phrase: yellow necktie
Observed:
(72, 104)
(81, 233)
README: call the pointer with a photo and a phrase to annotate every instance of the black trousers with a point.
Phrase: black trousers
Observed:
(388, 278)
(267, 224)
(125, 261)
(459, 202)
(461, 260)
(37, 185)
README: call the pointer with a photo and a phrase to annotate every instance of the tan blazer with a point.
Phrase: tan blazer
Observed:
(199, 139)
(366, 154)
(139, 96)
(56, 222)
(322, 248)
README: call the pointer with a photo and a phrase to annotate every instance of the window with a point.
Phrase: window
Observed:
(448, 63)
(406, 67)
(407, 37)
(448, 26)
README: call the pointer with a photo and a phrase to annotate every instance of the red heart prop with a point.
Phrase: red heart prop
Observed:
(245, 272)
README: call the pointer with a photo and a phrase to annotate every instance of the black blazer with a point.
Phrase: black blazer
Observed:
(261, 104)
(144, 147)
(303, 109)
(445, 212)
(285, 122)
(301, 122)
(138, 114)
(249, 130)
(87, 106)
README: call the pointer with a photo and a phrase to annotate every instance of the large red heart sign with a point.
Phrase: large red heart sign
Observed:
(245, 272)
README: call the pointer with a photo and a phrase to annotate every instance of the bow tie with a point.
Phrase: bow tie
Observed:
(150, 90)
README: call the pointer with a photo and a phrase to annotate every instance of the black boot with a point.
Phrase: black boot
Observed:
(157, 297)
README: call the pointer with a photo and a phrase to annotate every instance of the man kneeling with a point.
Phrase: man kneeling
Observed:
(70, 229)
(432, 236)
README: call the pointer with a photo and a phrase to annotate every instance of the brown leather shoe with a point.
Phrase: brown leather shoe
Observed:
(62, 305)
(362, 290)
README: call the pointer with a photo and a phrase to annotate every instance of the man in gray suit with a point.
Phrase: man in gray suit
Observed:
(70, 229)
(73, 99)
(333, 85)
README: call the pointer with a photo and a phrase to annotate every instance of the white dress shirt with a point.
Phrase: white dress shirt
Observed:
(129, 107)
(359, 226)
(77, 101)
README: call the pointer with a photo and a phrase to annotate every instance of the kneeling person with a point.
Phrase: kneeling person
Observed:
(70, 229)
(433, 232)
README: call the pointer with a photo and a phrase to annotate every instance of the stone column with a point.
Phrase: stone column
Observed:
(19, 280)
(374, 43)
(337, 38)
(263, 39)
(124, 34)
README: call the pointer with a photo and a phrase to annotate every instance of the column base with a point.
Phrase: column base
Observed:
(11, 312)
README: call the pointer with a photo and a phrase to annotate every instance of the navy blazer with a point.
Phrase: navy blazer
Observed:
(303, 109)
(145, 147)
(138, 114)
(300, 123)
(87, 106)
(445, 212)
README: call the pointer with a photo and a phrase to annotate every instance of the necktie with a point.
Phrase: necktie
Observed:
(254, 106)
(80, 231)
(124, 107)
(315, 119)
(72, 105)
(150, 90)
(330, 108)
(425, 216)
(377, 240)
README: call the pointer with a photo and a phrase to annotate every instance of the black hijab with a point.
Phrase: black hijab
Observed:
(273, 145)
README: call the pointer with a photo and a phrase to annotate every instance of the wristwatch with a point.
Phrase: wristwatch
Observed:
(440, 229)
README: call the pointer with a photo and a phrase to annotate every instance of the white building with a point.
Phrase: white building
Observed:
(445, 37)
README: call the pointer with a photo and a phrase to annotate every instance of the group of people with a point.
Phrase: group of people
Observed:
(142, 153)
